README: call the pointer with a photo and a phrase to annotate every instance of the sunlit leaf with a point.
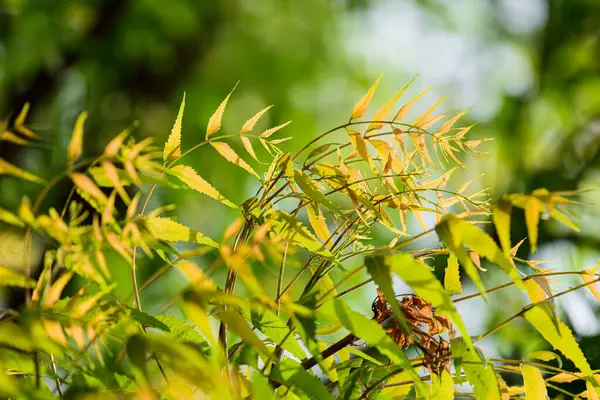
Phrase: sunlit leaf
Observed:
(167, 229)
(480, 373)
(557, 334)
(535, 386)
(275, 329)
(20, 123)
(249, 125)
(196, 182)
(360, 108)
(88, 186)
(589, 277)
(406, 108)
(75, 148)
(318, 222)
(214, 123)
(501, 217)
(532, 219)
(11, 278)
(7, 168)
(311, 190)
(172, 148)
(452, 276)
(442, 387)
(292, 230)
(230, 155)
(383, 113)
(271, 131)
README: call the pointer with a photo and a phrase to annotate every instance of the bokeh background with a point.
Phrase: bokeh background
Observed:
(529, 68)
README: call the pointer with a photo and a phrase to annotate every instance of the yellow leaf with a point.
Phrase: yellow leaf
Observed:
(249, 125)
(424, 117)
(501, 217)
(532, 219)
(318, 222)
(271, 131)
(406, 108)
(360, 108)
(20, 123)
(452, 276)
(167, 229)
(75, 148)
(7, 168)
(196, 182)
(214, 123)
(557, 334)
(535, 386)
(384, 111)
(112, 148)
(230, 155)
(88, 186)
(360, 146)
(173, 146)
(589, 277)
(10, 278)
(248, 146)
(52, 295)
(446, 126)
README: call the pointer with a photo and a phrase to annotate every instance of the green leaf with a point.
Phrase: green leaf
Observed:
(148, 320)
(295, 376)
(311, 190)
(75, 148)
(484, 245)
(557, 334)
(240, 327)
(136, 350)
(420, 278)
(181, 331)
(10, 278)
(172, 148)
(261, 388)
(535, 386)
(452, 276)
(448, 231)
(275, 329)
(196, 182)
(297, 234)
(479, 371)
(372, 333)
(167, 229)
(501, 217)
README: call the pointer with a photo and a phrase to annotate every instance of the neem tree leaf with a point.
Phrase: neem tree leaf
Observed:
(535, 386)
(173, 146)
(10, 278)
(479, 371)
(295, 376)
(557, 334)
(75, 148)
(196, 182)
(297, 234)
(167, 229)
